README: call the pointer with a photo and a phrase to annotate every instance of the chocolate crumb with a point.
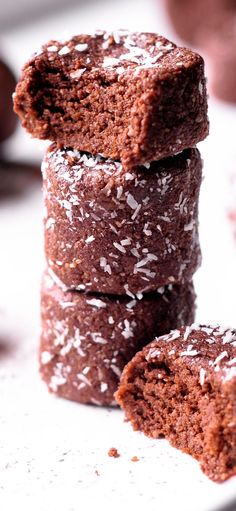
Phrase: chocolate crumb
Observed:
(113, 453)
(134, 458)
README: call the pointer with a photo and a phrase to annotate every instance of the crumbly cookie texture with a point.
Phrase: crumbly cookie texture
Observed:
(87, 339)
(134, 97)
(115, 231)
(183, 386)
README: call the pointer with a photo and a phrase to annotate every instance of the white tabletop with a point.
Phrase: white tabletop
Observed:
(53, 453)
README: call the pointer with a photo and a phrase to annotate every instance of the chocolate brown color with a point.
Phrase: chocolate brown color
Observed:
(112, 231)
(220, 50)
(87, 339)
(194, 20)
(183, 386)
(210, 26)
(134, 97)
(7, 117)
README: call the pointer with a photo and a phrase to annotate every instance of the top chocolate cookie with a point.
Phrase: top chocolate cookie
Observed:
(134, 97)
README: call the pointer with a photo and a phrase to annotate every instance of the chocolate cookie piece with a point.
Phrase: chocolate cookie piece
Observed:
(7, 117)
(194, 20)
(112, 231)
(220, 50)
(87, 339)
(134, 97)
(183, 386)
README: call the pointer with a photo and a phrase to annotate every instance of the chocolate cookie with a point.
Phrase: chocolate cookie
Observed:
(134, 97)
(194, 20)
(183, 386)
(112, 231)
(87, 339)
(7, 117)
(220, 49)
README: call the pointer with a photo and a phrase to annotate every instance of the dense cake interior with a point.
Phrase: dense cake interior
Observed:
(163, 398)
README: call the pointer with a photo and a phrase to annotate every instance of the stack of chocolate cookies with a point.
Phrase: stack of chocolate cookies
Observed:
(121, 186)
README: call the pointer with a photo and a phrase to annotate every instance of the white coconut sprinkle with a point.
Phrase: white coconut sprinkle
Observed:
(103, 387)
(230, 373)
(78, 73)
(125, 242)
(46, 357)
(119, 192)
(83, 378)
(110, 62)
(90, 239)
(97, 338)
(127, 291)
(131, 304)
(119, 247)
(189, 352)
(207, 330)
(153, 353)
(81, 47)
(146, 230)
(135, 214)
(175, 335)
(127, 332)
(64, 51)
(105, 266)
(116, 370)
(220, 357)
(96, 302)
(232, 361)
(187, 332)
(50, 223)
(132, 203)
(53, 47)
(134, 252)
(229, 337)
(189, 226)
(66, 305)
(58, 377)
(129, 176)
(202, 376)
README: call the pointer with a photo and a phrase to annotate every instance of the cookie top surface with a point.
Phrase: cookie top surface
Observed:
(210, 348)
(87, 169)
(118, 52)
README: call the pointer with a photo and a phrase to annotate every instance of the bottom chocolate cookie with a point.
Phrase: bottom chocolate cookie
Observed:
(182, 386)
(87, 339)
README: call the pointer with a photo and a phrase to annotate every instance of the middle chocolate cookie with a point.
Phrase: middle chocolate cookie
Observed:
(112, 231)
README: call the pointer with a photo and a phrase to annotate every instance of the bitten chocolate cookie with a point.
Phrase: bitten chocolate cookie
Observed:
(112, 231)
(87, 339)
(183, 386)
(134, 97)
(7, 117)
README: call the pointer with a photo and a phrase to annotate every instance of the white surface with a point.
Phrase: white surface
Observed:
(50, 449)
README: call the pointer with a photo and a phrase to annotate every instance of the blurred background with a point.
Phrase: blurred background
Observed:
(206, 25)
